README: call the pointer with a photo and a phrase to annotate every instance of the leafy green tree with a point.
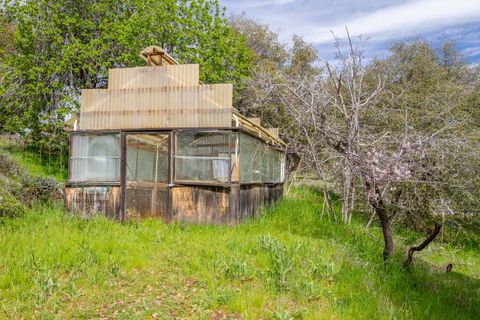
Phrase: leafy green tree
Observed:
(270, 56)
(63, 46)
(6, 47)
(303, 57)
(192, 31)
(264, 43)
(6, 36)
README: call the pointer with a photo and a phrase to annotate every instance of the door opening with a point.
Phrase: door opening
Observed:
(146, 176)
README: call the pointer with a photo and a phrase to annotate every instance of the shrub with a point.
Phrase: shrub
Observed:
(20, 189)
(8, 167)
(38, 188)
(10, 206)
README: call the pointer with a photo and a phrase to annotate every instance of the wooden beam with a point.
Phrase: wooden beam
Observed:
(257, 130)
(275, 131)
(257, 121)
(155, 51)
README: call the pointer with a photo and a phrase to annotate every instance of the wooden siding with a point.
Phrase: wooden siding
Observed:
(154, 77)
(253, 197)
(189, 204)
(89, 201)
(218, 205)
(199, 204)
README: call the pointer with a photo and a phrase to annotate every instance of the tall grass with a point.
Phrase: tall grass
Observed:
(287, 264)
(34, 161)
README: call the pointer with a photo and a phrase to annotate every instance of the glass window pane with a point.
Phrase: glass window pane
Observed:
(259, 162)
(144, 152)
(95, 158)
(202, 156)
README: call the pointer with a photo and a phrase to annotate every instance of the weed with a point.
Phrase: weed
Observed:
(114, 268)
(233, 268)
(45, 283)
(281, 315)
(324, 271)
(281, 264)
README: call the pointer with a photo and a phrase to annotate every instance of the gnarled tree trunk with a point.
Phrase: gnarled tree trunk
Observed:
(375, 199)
(431, 237)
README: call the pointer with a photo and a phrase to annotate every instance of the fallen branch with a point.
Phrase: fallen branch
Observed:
(425, 243)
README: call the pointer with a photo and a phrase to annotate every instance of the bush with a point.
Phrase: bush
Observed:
(8, 167)
(38, 188)
(10, 206)
(20, 189)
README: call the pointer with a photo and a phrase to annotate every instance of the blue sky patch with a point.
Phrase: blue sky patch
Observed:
(382, 22)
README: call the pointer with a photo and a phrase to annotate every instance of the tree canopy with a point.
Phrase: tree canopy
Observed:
(61, 47)
(402, 128)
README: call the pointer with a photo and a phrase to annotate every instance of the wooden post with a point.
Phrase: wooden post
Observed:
(155, 187)
(171, 174)
(123, 176)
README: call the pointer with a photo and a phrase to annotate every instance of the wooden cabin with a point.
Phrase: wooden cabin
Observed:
(158, 143)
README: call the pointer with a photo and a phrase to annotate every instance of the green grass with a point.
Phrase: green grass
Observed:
(34, 161)
(287, 264)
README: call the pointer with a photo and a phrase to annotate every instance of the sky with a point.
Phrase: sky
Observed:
(379, 22)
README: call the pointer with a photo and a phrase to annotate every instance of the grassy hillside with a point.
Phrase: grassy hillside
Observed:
(35, 162)
(288, 264)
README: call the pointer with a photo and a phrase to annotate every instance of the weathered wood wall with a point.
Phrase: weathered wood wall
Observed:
(252, 197)
(222, 205)
(190, 204)
(88, 201)
(201, 204)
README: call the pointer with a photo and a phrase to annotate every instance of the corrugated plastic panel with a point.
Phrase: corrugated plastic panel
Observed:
(169, 107)
(154, 77)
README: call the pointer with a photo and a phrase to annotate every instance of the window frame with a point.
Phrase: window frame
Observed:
(175, 156)
(116, 182)
(282, 159)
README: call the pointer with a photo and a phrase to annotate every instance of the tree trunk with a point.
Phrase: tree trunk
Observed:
(347, 184)
(375, 199)
(431, 237)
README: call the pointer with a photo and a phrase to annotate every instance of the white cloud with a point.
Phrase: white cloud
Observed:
(383, 21)
(257, 4)
(404, 19)
(471, 51)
